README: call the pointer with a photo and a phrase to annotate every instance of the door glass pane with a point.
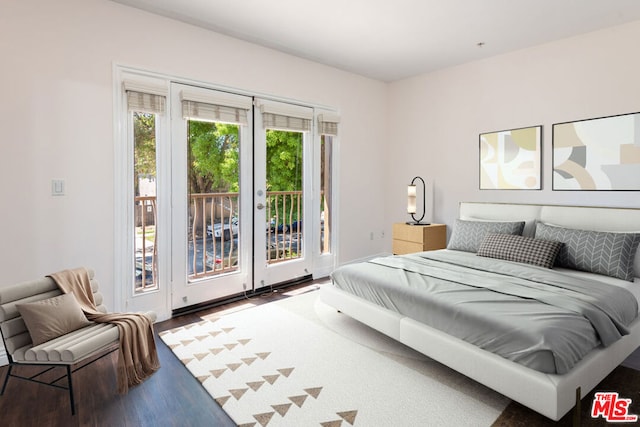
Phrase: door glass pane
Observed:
(213, 190)
(326, 150)
(284, 195)
(144, 135)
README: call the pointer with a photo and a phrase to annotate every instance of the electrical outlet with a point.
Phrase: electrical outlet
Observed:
(371, 236)
(57, 187)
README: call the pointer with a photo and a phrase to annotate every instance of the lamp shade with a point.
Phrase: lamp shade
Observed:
(412, 194)
(411, 199)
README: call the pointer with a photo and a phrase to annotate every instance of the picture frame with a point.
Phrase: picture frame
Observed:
(599, 154)
(511, 159)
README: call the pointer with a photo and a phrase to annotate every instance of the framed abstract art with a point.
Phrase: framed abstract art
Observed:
(597, 154)
(511, 159)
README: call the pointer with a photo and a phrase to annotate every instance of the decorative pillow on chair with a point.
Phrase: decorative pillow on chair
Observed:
(520, 249)
(50, 318)
(468, 235)
(601, 252)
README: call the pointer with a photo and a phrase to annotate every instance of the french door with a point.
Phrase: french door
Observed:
(282, 192)
(237, 215)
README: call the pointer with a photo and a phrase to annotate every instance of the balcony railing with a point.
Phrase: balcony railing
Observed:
(145, 243)
(212, 244)
(284, 232)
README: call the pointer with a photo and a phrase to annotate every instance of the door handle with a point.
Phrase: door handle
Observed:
(260, 206)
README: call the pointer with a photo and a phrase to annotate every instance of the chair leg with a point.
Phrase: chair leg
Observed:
(71, 399)
(6, 379)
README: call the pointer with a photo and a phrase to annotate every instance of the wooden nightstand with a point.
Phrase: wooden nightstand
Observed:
(417, 238)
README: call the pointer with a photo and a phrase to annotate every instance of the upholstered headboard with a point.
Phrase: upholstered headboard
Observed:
(578, 217)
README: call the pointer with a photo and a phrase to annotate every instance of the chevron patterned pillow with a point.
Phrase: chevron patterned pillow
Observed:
(610, 254)
(520, 249)
(468, 235)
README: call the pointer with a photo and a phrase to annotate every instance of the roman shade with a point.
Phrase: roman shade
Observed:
(328, 124)
(215, 106)
(281, 116)
(145, 97)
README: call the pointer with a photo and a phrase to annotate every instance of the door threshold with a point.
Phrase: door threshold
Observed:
(278, 287)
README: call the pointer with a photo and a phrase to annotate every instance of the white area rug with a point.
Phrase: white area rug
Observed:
(298, 362)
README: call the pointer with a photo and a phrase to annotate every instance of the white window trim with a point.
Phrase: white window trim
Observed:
(323, 264)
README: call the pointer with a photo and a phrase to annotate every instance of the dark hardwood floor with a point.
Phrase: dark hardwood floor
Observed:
(171, 397)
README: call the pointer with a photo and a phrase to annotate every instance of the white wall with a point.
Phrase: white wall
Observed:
(56, 122)
(437, 117)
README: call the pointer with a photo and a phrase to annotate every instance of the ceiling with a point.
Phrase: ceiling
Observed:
(390, 40)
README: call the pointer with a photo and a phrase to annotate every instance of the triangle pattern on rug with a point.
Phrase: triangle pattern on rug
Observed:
(263, 419)
(314, 392)
(348, 416)
(233, 366)
(298, 400)
(255, 385)
(238, 393)
(269, 360)
(249, 360)
(216, 350)
(217, 372)
(282, 409)
(203, 378)
(271, 378)
(222, 400)
(286, 372)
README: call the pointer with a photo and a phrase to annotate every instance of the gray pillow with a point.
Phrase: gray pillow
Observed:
(520, 249)
(51, 318)
(600, 252)
(468, 235)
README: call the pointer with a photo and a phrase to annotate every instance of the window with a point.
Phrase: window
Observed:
(328, 129)
(145, 105)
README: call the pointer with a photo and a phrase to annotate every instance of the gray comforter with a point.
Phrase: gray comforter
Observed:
(534, 316)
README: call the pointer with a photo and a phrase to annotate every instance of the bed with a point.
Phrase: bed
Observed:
(547, 380)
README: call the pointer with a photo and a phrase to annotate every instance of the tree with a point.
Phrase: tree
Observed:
(284, 160)
(213, 157)
(144, 130)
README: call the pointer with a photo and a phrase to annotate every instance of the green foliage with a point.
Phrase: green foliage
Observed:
(144, 131)
(284, 160)
(213, 157)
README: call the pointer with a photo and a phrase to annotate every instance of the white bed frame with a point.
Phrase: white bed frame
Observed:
(550, 395)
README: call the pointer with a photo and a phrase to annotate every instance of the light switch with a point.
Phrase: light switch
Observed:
(57, 187)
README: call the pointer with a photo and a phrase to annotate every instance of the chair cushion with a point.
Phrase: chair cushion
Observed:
(53, 317)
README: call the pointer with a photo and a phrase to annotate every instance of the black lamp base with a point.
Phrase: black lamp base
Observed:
(417, 223)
